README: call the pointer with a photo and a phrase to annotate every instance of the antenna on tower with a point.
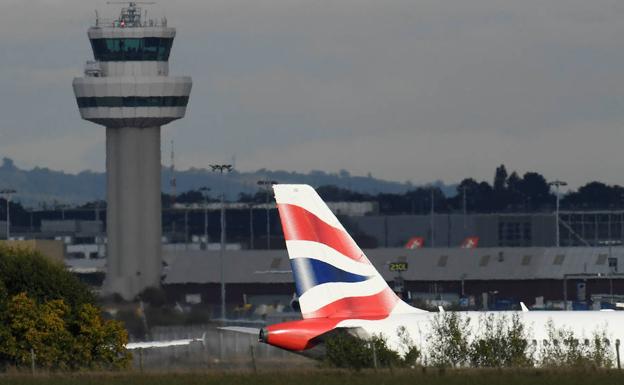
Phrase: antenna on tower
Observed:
(130, 15)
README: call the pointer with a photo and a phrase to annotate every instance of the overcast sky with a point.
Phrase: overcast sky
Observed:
(407, 90)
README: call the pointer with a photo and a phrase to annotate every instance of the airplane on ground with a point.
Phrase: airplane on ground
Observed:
(339, 290)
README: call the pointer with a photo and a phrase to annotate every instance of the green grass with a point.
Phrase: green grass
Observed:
(330, 377)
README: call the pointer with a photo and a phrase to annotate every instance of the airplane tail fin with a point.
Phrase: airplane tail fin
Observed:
(333, 277)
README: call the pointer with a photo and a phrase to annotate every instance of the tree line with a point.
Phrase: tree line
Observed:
(508, 192)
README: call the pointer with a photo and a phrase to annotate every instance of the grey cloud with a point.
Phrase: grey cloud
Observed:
(417, 90)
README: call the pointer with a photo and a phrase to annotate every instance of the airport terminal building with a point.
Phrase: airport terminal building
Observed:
(515, 259)
(477, 278)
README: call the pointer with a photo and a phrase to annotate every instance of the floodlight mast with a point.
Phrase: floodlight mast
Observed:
(221, 168)
(205, 190)
(557, 184)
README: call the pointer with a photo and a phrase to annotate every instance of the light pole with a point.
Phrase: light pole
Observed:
(186, 228)
(62, 207)
(432, 219)
(96, 206)
(221, 168)
(6, 193)
(463, 279)
(557, 184)
(204, 190)
(267, 186)
(464, 208)
(251, 230)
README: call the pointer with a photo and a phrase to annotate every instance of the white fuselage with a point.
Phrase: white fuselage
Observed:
(584, 325)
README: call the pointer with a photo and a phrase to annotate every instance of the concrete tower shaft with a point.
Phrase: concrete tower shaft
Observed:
(126, 88)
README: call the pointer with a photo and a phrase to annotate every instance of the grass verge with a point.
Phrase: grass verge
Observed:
(329, 377)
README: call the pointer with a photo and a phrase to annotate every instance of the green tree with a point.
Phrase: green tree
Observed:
(333, 193)
(564, 349)
(519, 352)
(42, 328)
(595, 195)
(411, 353)
(24, 271)
(448, 340)
(535, 187)
(46, 310)
(500, 179)
(7, 341)
(344, 350)
(100, 343)
(478, 196)
(502, 342)
(599, 352)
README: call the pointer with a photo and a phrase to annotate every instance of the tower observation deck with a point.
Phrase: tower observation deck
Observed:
(127, 89)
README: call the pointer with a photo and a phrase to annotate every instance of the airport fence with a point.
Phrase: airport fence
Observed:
(218, 350)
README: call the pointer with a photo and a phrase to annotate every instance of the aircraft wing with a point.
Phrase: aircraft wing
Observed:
(164, 343)
(241, 329)
(188, 341)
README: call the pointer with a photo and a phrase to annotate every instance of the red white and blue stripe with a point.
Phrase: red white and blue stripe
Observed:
(334, 279)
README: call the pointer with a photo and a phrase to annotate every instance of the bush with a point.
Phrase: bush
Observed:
(564, 349)
(411, 353)
(600, 353)
(344, 350)
(502, 342)
(448, 340)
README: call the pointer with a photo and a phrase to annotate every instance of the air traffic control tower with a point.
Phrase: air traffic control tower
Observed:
(127, 89)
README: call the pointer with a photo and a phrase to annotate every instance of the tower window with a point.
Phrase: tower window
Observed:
(132, 49)
(133, 101)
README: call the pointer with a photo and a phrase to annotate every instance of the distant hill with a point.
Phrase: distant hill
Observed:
(45, 185)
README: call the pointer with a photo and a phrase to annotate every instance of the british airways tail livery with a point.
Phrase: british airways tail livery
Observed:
(339, 289)
(333, 277)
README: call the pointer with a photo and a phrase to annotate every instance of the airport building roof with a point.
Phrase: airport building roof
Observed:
(255, 266)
